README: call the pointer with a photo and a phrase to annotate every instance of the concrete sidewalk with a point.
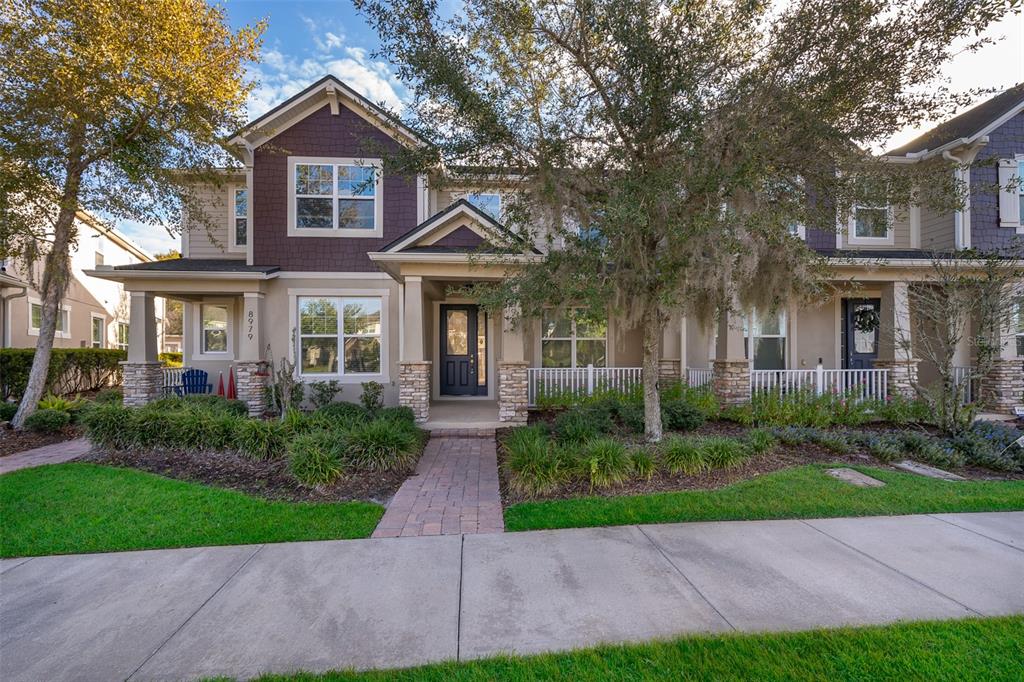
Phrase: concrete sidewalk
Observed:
(239, 611)
(46, 454)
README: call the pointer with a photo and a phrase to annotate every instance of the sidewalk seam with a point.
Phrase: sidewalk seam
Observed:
(17, 566)
(971, 530)
(688, 581)
(458, 610)
(893, 568)
(193, 614)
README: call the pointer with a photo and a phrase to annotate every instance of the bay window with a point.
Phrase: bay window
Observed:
(339, 335)
(334, 197)
(573, 340)
(765, 340)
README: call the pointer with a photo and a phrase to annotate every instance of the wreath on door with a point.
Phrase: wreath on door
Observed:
(866, 320)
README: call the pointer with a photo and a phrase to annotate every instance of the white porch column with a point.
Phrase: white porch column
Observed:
(251, 373)
(414, 368)
(895, 349)
(730, 369)
(143, 378)
(513, 397)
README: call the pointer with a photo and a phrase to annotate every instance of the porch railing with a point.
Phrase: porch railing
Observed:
(858, 384)
(964, 385)
(551, 382)
(172, 378)
(698, 378)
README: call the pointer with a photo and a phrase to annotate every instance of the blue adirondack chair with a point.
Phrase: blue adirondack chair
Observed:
(193, 381)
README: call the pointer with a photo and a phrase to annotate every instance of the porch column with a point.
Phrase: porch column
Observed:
(513, 398)
(895, 349)
(251, 372)
(1003, 387)
(730, 379)
(671, 361)
(143, 378)
(414, 368)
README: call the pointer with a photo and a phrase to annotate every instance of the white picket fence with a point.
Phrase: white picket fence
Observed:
(962, 381)
(698, 378)
(561, 381)
(858, 384)
(172, 378)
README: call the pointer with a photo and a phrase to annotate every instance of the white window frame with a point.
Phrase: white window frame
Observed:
(335, 231)
(127, 326)
(384, 376)
(573, 339)
(800, 232)
(890, 236)
(468, 196)
(103, 335)
(58, 334)
(233, 244)
(1020, 329)
(200, 350)
(750, 322)
(1019, 158)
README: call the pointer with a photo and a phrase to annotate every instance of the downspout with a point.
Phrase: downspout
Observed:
(961, 240)
(5, 342)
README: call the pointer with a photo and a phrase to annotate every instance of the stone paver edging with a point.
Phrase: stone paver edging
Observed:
(241, 611)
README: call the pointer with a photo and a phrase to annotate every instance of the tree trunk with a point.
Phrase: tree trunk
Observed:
(652, 401)
(54, 283)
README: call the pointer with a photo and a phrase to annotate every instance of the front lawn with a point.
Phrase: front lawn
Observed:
(983, 649)
(799, 492)
(77, 508)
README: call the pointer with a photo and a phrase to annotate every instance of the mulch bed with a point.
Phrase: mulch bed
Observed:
(268, 479)
(13, 442)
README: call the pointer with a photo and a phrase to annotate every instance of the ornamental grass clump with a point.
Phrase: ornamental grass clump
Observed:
(343, 413)
(382, 445)
(536, 465)
(315, 458)
(760, 441)
(683, 456)
(579, 425)
(721, 452)
(602, 462)
(260, 440)
(644, 465)
(680, 415)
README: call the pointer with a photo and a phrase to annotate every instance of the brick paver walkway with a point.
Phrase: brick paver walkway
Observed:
(454, 490)
(48, 454)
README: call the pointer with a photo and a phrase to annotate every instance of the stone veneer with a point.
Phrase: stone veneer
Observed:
(1003, 387)
(414, 388)
(902, 377)
(730, 381)
(251, 384)
(513, 397)
(669, 371)
(143, 382)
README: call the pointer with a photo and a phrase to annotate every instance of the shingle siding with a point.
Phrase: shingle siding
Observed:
(322, 134)
(1003, 143)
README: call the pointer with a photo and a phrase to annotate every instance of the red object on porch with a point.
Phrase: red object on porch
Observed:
(231, 384)
(220, 385)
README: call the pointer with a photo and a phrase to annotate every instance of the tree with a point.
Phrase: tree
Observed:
(106, 105)
(669, 146)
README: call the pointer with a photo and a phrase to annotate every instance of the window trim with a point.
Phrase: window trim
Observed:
(233, 244)
(197, 329)
(57, 334)
(573, 339)
(750, 322)
(384, 376)
(890, 236)
(103, 336)
(202, 328)
(333, 232)
(118, 344)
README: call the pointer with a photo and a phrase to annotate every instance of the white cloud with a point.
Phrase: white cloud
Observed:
(151, 238)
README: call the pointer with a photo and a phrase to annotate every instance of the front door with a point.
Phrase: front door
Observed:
(860, 332)
(463, 350)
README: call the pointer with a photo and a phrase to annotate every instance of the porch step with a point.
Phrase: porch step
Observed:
(447, 432)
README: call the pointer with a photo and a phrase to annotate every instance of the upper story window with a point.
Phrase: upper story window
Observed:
(239, 216)
(766, 335)
(340, 336)
(871, 225)
(489, 203)
(573, 341)
(215, 328)
(100, 241)
(335, 197)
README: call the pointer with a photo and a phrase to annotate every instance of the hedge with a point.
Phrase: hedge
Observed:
(72, 370)
(171, 358)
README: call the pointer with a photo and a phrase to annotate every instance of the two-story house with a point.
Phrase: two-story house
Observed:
(320, 256)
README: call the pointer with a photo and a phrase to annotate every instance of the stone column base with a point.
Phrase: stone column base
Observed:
(1003, 388)
(669, 371)
(730, 381)
(414, 388)
(251, 385)
(902, 377)
(143, 382)
(512, 392)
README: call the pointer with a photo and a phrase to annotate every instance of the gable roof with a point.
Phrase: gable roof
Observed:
(328, 90)
(460, 215)
(969, 126)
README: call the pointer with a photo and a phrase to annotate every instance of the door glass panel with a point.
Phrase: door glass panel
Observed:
(863, 339)
(458, 332)
(481, 349)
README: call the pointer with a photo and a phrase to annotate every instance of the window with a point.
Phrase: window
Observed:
(98, 331)
(215, 328)
(340, 195)
(870, 224)
(489, 203)
(240, 215)
(573, 341)
(339, 336)
(99, 259)
(36, 320)
(797, 230)
(1020, 329)
(768, 334)
(122, 335)
(1020, 190)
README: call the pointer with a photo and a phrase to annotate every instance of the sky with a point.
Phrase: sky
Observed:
(307, 39)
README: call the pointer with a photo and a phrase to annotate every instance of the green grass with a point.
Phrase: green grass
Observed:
(75, 508)
(983, 649)
(799, 492)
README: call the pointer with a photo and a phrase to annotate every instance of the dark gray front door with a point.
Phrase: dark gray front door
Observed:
(463, 347)
(860, 332)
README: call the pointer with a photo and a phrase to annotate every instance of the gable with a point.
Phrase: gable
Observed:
(460, 228)
(461, 237)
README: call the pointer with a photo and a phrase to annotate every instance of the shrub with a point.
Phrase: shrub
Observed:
(835, 441)
(581, 424)
(314, 458)
(259, 440)
(760, 441)
(53, 402)
(170, 359)
(108, 396)
(199, 431)
(679, 415)
(682, 455)
(400, 413)
(344, 413)
(7, 411)
(992, 445)
(929, 450)
(643, 464)
(885, 448)
(295, 422)
(71, 370)
(152, 428)
(322, 393)
(47, 421)
(535, 465)
(200, 403)
(721, 452)
(902, 411)
(372, 397)
(740, 414)
(631, 414)
(108, 425)
(382, 445)
(603, 462)
(791, 435)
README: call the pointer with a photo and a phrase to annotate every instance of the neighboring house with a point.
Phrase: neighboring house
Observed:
(93, 312)
(319, 257)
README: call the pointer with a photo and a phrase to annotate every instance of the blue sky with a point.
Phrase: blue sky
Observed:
(307, 39)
